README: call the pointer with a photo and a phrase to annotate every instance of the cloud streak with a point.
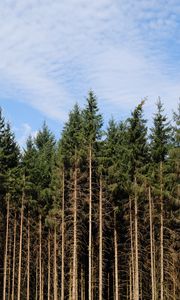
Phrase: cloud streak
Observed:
(52, 52)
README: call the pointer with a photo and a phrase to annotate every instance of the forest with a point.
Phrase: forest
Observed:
(94, 215)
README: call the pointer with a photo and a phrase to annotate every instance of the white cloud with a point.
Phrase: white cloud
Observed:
(52, 52)
(23, 133)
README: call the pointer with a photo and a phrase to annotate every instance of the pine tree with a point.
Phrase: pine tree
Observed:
(71, 154)
(138, 159)
(92, 133)
(160, 135)
(9, 158)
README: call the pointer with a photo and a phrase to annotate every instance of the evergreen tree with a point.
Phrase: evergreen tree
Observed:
(160, 135)
(9, 158)
(92, 120)
(92, 123)
(137, 141)
(72, 141)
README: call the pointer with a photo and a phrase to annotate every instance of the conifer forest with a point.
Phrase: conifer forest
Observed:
(94, 215)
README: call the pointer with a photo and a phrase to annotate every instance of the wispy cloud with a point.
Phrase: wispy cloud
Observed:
(23, 133)
(52, 52)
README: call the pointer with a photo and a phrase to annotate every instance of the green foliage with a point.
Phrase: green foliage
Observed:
(92, 120)
(116, 155)
(160, 135)
(71, 143)
(9, 158)
(38, 162)
(137, 141)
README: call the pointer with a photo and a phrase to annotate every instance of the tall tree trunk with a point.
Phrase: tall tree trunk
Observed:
(100, 243)
(28, 259)
(130, 282)
(151, 242)
(136, 289)
(70, 281)
(42, 280)
(14, 257)
(55, 265)
(20, 249)
(37, 275)
(9, 266)
(161, 236)
(154, 259)
(74, 280)
(49, 265)
(62, 241)
(90, 222)
(6, 250)
(116, 260)
(40, 258)
(132, 249)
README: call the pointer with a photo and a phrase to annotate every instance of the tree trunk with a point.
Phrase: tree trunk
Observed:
(55, 265)
(136, 289)
(14, 257)
(151, 242)
(20, 248)
(49, 265)
(62, 242)
(40, 259)
(116, 260)
(42, 281)
(161, 237)
(37, 278)
(90, 223)
(6, 250)
(74, 280)
(130, 282)
(9, 266)
(100, 243)
(28, 259)
(132, 249)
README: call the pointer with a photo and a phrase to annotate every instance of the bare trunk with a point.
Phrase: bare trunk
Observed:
(132, 248)
(20, 249)
(130, 283)
(49, 265)
(28, 259)
(55, 265)
(9, 267)
(14, 258)
(37, 278)
(74, 280)
(151, 242)
(136, 289)
(40, 259)
(161, 237)
(100, 243)
(62, 242)
(154, 260)
(42, 281)
(116, 260)
(90, 223)
(6, 250)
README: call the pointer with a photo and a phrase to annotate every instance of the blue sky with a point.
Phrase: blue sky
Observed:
(53, 51)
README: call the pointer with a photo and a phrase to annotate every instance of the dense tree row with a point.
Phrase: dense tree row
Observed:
(94, 215)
